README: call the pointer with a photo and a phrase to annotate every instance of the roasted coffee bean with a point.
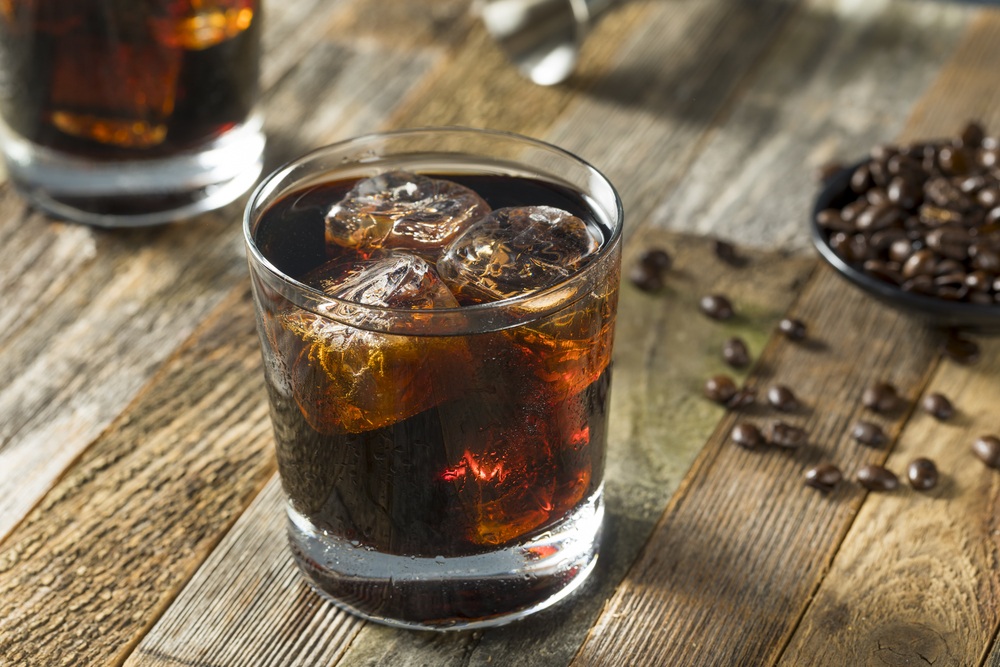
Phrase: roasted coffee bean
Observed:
(792, 329)
(727, 252)
(901, 250)
(824, 477)
(988, 197)
(736, 353)
(919, 285)
(979, 281)
(883, 271)
(922, 473)
(956, 160)
(861, 179)
(972, 135)
(880, 397)
(747, 435)
(878, 216)
(782, 398)
(986, 260)
(877, 196)
(780, 434)
(649, 272)
(905, 192)
(987, 449)
(961, 349)
(877, 478)
(717, 307)
(919, 263)
(869, 434)
(720, 389)
(938, 406)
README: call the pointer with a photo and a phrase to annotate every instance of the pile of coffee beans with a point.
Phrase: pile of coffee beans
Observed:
(926, 217)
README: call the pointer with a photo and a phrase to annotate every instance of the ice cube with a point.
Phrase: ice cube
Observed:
(514, 251)
(350, 380)
(402, 210)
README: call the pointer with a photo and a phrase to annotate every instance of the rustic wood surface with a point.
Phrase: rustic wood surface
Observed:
(140, 516)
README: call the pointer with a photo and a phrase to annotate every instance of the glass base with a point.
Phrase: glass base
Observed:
(453, 593)
(138, 192)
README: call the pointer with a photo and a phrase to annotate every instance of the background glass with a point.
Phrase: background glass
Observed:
(130, 112)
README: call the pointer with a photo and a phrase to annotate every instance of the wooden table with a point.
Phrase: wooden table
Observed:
(140, 514)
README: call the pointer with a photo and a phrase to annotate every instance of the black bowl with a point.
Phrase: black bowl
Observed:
(937, 312)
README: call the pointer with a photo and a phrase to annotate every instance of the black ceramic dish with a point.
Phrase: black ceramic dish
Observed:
(937, 312)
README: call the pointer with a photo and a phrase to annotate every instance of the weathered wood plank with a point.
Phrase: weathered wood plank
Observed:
(96, 312)
(657, 426)
(94, 564)
(254, 601)
(706, 590)
(842, 80)
(916, 580)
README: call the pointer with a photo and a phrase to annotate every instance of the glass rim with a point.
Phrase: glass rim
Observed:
(271, 181)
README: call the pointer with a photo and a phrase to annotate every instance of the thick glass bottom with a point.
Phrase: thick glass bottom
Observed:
(138, 192)
(454, 593)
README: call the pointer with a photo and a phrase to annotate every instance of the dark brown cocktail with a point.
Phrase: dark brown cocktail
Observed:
(437, 349)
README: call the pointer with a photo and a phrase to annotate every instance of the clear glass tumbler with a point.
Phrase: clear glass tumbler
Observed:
(442, 452)
(125, 113)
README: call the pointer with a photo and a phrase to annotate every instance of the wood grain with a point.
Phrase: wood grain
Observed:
(94, 564)
(916, 580)
(708, 591)
(841, 80)
(658, 424)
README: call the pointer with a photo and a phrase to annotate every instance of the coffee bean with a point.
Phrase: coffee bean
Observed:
(938, 406)
(877, 478)
(649, 272)
(880, 397)
(747, 435)
(735, 352)
(961, 349)
(922, 473)
(727, 252)
(792, 329)
(780, 434)
(972, 135)
(869, 434)
(824, 477)
(720, 389)
(987, 449)
(782, 398)
(861, 179)
(717, 307)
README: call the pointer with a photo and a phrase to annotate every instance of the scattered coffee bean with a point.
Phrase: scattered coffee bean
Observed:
(881, 397)
(925, 209)
(727, 253)
(736, 353)
(720, 389)
(987, 449)
(782, 398)
(922, 473)
(717, 307)
(877, 478)
(938, 406)
(961, 349)
(747, 435)
(869, 434)
(780, 434)
(824, 477)
(649, 273)
(792, 329)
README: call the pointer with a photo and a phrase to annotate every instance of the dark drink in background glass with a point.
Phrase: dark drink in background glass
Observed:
(125, 112)
(443, 454)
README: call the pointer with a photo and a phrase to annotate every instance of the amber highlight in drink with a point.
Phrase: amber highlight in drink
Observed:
(442, 452)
